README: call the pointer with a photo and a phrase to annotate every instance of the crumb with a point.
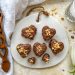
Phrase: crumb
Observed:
(70, 30)
(62, 18)
(63, 70)
(54, 9)
(72, 37)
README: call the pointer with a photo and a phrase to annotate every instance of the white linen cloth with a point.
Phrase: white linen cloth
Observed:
(12, 10)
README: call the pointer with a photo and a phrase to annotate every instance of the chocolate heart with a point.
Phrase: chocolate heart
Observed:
(29, 32)
(46, 58)
(32, 60)
(39, 49)
(23, 49)
(48, 33)
(56, 46)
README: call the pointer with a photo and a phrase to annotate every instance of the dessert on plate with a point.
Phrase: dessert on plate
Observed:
(29, 32)
(56, 46)
(23, 49)
(39, 49)
(48, 32)
(46, 57)
(32, 60)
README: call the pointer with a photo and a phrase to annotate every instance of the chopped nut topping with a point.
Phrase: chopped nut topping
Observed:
(56, 46)
(72, 37)
(48, 32)
(39, 48)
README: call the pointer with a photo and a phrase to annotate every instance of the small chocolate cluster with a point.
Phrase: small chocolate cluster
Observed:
(48, 33)
(39, 49)
(56, 46)
(32, 60)
(29, 32)
(46, 58)
(23, 49)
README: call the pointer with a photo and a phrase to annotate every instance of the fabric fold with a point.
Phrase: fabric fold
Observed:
(12, 11)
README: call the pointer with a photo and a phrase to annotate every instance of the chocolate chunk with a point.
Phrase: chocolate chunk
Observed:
(48, 33)
(56, 46)
(29, 32)
(39, 49)
(32, 60)
(72, 37)
(23, 49)
(46, 58)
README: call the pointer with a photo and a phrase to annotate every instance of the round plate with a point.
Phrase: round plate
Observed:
(60, 36)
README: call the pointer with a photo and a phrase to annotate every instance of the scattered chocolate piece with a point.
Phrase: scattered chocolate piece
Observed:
(63, 70)
(29, 32)
(39, 49)
(72, 37)
(23, 49)
(46, 57)
(70, 30)
(56, 46)
(32, 60)
(48, 33)
(62, 18)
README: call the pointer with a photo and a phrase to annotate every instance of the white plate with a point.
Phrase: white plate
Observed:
(60, 36)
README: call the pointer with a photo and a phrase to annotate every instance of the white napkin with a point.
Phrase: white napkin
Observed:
(12, 10)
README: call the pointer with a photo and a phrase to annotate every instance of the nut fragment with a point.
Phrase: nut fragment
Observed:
(56, 46)
(29, 32)
(39, 49)
(48, 33)
(23, 49)
(32, 60)
(46, 58)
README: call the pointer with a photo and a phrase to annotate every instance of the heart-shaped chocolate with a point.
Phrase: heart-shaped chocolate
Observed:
(48, 32)
(39, 49)
(46, 57)
(23, 49)
(29, 32)
(56, 46)
(32, 60)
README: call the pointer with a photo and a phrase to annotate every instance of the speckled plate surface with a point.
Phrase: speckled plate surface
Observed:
(60, 36)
